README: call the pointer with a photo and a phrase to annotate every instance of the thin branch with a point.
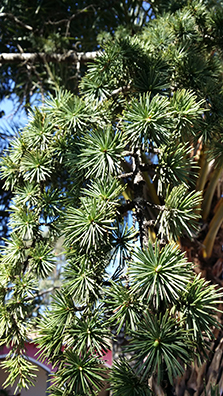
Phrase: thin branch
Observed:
(51, 289)
(125, 175)
(129, 153)
(66, 20)
(159, 207)
(120, 90)
(82, 308)
(150, 223)
(40, 294)
(155, 151)
(15, 19)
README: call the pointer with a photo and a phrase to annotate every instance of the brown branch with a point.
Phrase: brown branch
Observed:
(15, 19)
(69, 57)
(51, 289)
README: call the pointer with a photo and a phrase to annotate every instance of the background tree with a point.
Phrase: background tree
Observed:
(128, 172)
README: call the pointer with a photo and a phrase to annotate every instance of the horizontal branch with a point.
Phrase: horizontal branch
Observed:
(42, 293)
(125, 175)
(68, 57)
(50, 290)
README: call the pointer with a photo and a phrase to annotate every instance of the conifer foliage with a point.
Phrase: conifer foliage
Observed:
(117, 172)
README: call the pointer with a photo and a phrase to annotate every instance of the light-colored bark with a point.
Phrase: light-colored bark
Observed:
(68, 57)
(15, 19)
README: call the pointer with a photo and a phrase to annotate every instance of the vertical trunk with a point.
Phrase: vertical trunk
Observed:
(207, 379)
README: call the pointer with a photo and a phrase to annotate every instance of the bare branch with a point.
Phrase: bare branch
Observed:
(120, 90)
(129, 154)
(15, 19)
(69, 57)
(159, 207)
(66, 20)
(42, 293)
(51, 289)
(125, 175)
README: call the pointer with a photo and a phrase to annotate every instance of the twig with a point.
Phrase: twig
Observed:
(125, 175)
(42, 293)
(120, 90)
(15, 19)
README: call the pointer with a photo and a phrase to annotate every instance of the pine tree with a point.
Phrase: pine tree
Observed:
(126, 173)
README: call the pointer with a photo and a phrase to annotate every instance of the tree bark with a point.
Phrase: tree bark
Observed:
(200, 380)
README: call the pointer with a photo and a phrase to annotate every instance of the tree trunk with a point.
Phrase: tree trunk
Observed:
(200, 380)
(206, 379)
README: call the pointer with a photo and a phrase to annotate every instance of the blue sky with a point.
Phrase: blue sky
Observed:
(13, 119)
(10, 106)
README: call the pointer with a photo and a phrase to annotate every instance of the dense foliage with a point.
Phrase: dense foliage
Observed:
(40, 43)
(125, 173)
(56, 27)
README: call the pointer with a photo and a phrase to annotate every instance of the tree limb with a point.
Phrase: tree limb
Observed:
(15, 19)
(125, 175)
(69, 57)
(120, 90)
(39, 294)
